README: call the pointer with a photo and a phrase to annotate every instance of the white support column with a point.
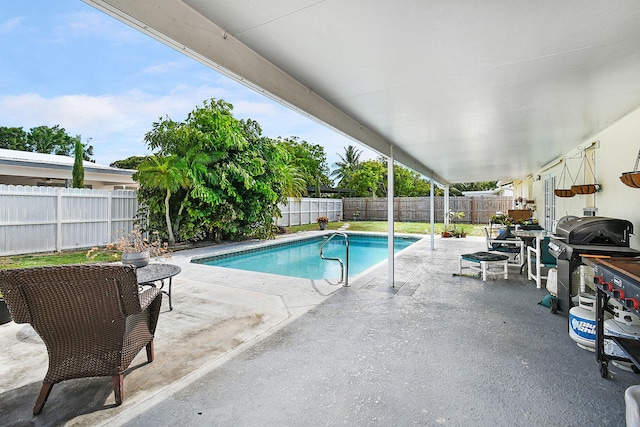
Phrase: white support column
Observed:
(446, 206)
(390, 218)
(432, 214)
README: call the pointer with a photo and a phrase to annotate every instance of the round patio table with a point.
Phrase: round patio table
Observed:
(152, 273)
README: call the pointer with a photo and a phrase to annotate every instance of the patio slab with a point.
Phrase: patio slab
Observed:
(246, 349)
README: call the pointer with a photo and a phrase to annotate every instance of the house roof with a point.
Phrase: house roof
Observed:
(21, 164)
(51, 161)
(463, 90)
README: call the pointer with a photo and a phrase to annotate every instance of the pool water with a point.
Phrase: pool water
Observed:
(302, 258)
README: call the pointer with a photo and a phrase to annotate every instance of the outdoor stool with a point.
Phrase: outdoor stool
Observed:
(488, 262)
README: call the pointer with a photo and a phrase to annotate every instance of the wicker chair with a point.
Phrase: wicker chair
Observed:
(91, 318)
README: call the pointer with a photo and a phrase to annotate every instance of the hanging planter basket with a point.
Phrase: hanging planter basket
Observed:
(632, 179)
(584, 189)
(564, 192)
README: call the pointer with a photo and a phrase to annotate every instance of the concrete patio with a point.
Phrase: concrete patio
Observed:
(247, 349)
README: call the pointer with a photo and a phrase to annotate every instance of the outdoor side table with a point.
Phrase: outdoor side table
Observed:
(152, 273)
(488, 263)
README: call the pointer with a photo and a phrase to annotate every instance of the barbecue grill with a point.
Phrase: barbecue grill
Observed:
(576, 237)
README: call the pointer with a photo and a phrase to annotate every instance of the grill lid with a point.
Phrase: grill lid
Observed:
(595, 230)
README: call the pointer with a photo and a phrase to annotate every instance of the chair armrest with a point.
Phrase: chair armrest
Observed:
(148, 296)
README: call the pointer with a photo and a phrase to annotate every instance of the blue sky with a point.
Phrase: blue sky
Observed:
(65, 63)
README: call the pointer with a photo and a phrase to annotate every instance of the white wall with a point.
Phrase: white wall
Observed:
(615, 152)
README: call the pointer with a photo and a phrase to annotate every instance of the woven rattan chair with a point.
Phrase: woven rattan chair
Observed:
(91, 318)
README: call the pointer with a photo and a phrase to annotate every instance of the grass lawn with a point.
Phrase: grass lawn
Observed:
(399, 227)
(44, 259)
(79, 257)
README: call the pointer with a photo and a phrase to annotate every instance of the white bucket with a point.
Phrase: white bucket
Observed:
(552, 281)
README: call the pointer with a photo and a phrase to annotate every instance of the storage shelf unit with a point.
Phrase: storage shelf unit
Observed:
(616, 278)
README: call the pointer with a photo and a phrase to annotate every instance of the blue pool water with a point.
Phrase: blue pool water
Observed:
(302, 258)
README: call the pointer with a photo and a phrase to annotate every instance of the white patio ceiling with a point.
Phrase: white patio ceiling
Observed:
(464, 90)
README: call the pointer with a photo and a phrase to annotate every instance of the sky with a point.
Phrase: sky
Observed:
(66, 63)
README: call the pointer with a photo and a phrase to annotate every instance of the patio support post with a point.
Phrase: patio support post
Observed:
(432, 216)
(446, 206)
(390, 218)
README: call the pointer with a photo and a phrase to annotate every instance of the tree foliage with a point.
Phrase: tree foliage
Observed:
(369, 179)
(475, 186)
(42, 139)
(13, 138)
(308, 161)
(129, 163)
(347, 165)
(77, 173)
(213, 176)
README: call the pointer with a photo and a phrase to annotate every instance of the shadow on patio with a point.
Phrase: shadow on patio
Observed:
(254, 349)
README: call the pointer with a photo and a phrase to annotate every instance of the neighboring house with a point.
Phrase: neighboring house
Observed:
(504, 189)
(36, 169)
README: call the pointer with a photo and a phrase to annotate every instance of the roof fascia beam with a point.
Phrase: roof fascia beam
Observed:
(179, 26)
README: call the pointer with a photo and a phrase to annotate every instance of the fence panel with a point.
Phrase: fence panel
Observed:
(306, 210)
(477, 209)
(44, 219)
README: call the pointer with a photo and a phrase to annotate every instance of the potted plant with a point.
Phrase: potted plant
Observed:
(136, 249)
(501, 219)
(460, 232)
(452, 230)
(447, 232)
(322, 222)
(5, 316)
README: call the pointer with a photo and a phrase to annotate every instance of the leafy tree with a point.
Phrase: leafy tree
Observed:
(78, 167)
(168, 174)
(475, 186)
(309, 160)
(347, 165)
(42, 139)
(231, 177)
(12, 138)
(50, 140)
(129, 163)
(367, 179)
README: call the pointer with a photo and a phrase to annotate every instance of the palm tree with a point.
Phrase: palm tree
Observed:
(349, 163)
(167, 174)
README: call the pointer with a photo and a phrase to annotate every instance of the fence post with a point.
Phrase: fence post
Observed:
(59, 219)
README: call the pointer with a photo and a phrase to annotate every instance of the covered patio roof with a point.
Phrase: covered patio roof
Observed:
(463, 91)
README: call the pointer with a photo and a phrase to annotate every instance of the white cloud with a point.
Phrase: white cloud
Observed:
(12, 24)
(164, 68)
(117, 123)
(96, 24)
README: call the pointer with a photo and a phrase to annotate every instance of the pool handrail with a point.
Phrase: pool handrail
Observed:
(342, 266)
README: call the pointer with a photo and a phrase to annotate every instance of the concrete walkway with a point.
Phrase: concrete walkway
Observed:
(247, 349)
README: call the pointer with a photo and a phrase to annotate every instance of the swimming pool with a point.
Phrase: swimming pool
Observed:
(301, 258)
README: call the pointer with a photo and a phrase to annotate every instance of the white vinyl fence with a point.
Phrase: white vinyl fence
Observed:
(43, 219)
(46, 219)
(307, 210)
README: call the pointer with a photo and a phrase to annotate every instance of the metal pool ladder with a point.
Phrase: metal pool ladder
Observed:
(343, 277)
